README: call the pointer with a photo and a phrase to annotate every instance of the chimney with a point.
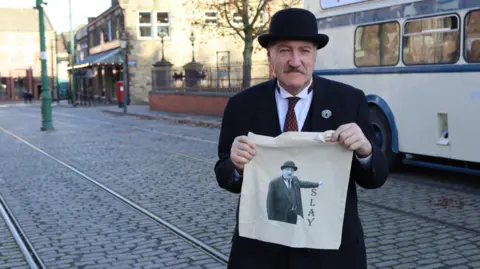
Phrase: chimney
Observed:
(90, 19)
(114, 2)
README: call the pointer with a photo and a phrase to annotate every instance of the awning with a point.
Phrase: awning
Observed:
(110, 57)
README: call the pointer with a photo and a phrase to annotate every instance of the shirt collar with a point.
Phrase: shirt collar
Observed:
(302, 94)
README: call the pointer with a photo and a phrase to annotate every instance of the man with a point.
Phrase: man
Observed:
(297, 101)
(284, 199)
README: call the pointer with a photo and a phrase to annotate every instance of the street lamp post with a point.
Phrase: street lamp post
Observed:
(72, 58)
(162, 35)
(123, 45)
(192, 39)
(45, 95)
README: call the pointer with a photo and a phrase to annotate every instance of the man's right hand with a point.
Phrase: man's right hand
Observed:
(242, 152)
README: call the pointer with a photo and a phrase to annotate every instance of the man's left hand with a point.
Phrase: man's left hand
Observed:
(352, 137)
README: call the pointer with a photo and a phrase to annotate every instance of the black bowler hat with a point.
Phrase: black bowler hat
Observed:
(293, 24)
(289, 164)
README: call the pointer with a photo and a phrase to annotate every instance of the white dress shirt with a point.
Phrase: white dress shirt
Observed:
(301, 108)
(301, 111)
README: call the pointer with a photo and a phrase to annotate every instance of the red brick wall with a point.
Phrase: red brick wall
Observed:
(193, 103)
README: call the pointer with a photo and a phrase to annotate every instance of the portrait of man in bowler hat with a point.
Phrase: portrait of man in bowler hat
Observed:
(284, 199)
(293, 101)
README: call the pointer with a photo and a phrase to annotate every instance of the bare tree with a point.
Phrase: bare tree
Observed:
(246, 19)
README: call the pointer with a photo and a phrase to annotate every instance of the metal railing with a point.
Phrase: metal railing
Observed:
(198, 77)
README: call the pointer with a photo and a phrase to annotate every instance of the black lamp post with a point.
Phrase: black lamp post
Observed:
(123, 45)
(162, 35)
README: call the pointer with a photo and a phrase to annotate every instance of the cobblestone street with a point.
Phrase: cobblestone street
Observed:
(417, 220)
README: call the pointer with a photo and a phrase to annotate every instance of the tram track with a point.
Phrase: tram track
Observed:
(29, 253)
(205, 248)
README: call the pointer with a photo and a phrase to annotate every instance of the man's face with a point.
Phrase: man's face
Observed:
(293, 63)
(288, 172)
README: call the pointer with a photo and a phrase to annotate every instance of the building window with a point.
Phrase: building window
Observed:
(377, 44)
(472, 37)
(163, 23)
(144, 24)
(113, 27)
(431, 41)
(118, 27)
(211, 17)
(105, 35)
(237, 18)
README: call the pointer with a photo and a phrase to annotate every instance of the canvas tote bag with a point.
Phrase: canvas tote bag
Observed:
(294, 190)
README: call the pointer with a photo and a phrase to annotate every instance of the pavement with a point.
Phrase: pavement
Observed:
(139, 111)
(415, 220)
(144, 112)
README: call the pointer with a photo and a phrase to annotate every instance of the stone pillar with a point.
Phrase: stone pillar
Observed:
(162, 75)
(193, 75)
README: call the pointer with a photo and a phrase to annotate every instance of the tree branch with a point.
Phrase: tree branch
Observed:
(261, 7)
(240, 11)
(260, 29)
(245, 14)
(237, 30)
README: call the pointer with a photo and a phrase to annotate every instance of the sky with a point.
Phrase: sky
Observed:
(58, 10)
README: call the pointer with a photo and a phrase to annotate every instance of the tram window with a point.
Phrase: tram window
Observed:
(377, 44)
(472, 37)
(431, 41)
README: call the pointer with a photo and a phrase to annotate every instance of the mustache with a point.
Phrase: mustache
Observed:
(293, 69)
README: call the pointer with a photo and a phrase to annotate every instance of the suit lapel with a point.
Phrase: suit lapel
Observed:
(268, 116)
(321, 102)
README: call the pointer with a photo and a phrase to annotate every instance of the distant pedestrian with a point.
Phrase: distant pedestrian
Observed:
(25, 96)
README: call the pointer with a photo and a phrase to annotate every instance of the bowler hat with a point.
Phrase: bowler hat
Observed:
(293, 24)
(289, 164)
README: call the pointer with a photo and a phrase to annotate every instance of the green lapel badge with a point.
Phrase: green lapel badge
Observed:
(326, 114)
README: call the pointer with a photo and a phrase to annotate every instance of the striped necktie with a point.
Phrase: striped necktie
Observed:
(291, 118)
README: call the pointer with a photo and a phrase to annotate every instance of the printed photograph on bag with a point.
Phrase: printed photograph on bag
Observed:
(284, 199)
(294, 191)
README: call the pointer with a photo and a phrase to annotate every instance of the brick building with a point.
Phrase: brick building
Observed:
(99, 61)
(20, 65)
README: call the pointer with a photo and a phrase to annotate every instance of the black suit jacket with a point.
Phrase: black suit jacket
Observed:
(281, 200)
(254, 110)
